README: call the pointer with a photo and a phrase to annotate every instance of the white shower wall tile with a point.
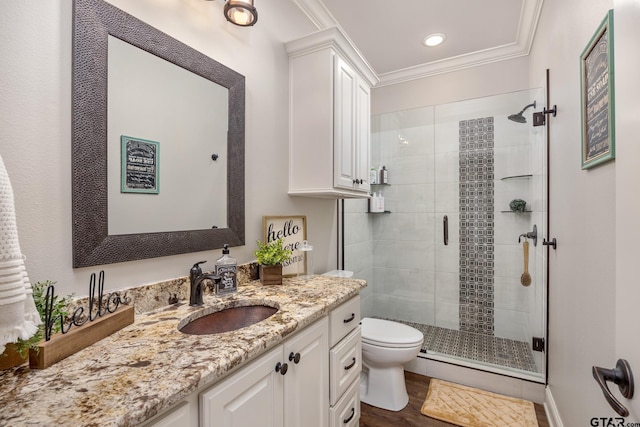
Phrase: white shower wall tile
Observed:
(416, 284)
(512, 325)
(446, 137)
(356, 205)
(510, 161)
(406, 198)
(508, 260)
(509, 226)
(411, 170)
(447, 196)
(447, 257)
(359, 229)
(447, 288)
(399, 308)
(447, 315)
(402, 254)
(511, 295)
(366, 306)
(358, 257)
(413, 141)
(404, 226)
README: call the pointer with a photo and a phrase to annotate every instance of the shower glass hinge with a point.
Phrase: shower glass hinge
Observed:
(538, 344)
(539, 119)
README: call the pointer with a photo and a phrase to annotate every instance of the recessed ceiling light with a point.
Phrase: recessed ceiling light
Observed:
(433, 39)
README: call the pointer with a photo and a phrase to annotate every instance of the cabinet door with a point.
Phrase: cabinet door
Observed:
(306, 387)
(363, 135)
(344, 155)
(251, 397)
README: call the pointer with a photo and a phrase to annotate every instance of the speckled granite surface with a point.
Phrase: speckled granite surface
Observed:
(149, 366)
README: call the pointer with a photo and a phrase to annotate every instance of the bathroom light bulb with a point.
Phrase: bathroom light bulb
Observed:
(240, 16)
(433, 39)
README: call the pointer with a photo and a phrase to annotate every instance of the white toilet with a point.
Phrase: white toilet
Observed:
(386, 347)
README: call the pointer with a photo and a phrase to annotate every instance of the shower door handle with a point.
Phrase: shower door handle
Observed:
(445, 230)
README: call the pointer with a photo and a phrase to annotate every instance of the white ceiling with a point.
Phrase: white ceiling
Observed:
(389, 34)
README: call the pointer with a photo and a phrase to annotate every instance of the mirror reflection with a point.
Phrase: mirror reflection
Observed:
(98, 238)
(184, 116)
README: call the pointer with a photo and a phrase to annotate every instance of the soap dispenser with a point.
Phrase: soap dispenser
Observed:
(227, 270)
(305, 263)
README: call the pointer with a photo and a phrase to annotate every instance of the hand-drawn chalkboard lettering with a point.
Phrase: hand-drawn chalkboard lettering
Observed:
(140, 165)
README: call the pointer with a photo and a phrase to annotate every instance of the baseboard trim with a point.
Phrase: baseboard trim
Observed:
(550, 408)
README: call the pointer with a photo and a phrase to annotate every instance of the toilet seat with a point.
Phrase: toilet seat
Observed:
(384, 333)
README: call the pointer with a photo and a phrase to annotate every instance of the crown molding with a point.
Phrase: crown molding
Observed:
(318, 14)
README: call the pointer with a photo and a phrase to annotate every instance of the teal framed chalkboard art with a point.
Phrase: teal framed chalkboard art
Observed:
(140, 165)
(597, 96)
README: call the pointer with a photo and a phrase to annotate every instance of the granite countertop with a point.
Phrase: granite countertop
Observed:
(149, 366)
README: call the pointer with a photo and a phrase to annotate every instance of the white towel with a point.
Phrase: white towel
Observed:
(19, 317)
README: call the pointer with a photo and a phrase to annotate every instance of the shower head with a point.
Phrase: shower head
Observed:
(519, 118)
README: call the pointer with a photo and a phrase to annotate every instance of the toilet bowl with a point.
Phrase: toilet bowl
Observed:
(386, 347)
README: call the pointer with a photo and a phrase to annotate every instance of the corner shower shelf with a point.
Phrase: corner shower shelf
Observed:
(382, 184)
(517, 212)
(376, 213)
(507, 178)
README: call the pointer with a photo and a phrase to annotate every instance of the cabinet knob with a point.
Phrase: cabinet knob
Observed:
(295, 358)
(282, 368)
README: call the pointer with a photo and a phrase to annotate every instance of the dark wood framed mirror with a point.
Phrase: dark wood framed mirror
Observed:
(94, 21)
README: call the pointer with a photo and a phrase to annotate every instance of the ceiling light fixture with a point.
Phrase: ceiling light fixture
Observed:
(242, 13)
(433, 39)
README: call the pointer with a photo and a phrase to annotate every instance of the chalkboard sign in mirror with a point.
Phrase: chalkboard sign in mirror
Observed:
(597, 96)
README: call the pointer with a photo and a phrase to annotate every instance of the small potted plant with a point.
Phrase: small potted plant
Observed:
(18, 352)
(270, 256)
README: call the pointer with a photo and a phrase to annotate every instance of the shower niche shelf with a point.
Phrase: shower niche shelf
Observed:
(516, 212)
(512, 177)
(379, 213)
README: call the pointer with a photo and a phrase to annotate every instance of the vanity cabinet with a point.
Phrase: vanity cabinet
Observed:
(329, 116)
(310, 380)
(345, 364)
(288, 386)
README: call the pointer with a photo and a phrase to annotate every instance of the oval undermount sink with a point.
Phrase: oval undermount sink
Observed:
(229, 319)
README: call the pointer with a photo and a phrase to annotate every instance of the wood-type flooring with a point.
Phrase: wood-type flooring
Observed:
(410, 416)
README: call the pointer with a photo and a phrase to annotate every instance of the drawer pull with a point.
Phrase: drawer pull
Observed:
(353, 414)
(295, 358)
(351, 365)
(353, 316)
(282, 368)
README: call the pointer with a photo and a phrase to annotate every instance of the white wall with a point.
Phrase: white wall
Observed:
(35, 129)
(582, 218)
(470, 83)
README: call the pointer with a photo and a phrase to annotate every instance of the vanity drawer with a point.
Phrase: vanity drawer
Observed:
(345, 364)
(343, 320)
(346, 413)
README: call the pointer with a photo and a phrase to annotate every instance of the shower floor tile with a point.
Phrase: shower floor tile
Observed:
(483, 348)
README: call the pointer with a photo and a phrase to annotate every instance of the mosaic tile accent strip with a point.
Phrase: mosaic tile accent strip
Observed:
(476, 139)
(501, 352)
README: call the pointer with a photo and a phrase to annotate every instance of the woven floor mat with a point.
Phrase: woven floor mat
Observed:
(471, 407)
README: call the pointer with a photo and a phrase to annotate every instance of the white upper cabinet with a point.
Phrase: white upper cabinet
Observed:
(329, 117)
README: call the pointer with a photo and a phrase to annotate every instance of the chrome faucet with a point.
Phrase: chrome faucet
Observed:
(195, 279)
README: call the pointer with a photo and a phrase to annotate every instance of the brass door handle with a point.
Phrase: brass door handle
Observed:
(620, 375)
